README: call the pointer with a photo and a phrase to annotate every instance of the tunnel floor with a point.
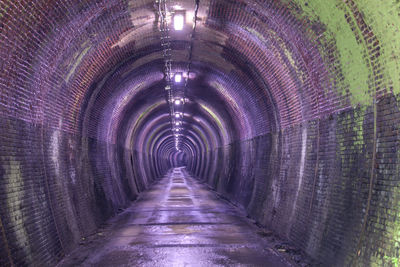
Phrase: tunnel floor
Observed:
(178, 222)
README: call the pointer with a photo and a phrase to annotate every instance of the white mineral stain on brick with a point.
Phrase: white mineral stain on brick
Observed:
(303, 156)
(14, 198)
(54, 152)
(72, 173)
(301, 171)
(77, 60)
(62, 181)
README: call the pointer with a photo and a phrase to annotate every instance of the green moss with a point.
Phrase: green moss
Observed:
(350, 134)
(76, 61)
(282, 47)
(384, 19)
(142, 116)
(14, 196)
(394, 261)
(213, 115)
(358, 126)
(338, 32)
(144, 113)
(388, 214)
(203, 138)
(391, 239)
(257, 34)
(4, 10)
(217, 120)
(150, 141)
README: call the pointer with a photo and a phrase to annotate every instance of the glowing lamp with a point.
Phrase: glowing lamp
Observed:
(178, 22)
(178, 78)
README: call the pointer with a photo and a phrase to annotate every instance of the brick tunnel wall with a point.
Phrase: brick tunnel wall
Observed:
(325, 178)
(56, 188)
(311, 184)
(329, 185)
(57, 179)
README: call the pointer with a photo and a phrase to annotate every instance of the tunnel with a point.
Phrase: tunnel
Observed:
(286, 110)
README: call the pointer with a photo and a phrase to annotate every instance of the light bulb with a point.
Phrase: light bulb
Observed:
(178, 78)
(178, 22)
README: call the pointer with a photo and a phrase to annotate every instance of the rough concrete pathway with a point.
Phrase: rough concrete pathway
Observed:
(178, 222)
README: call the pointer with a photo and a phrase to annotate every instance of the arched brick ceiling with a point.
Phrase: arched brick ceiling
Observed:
(84, 81)
(100, 56)
(271, 64)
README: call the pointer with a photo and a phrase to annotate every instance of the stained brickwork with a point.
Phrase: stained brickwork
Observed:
(315, 189)
(291, 112)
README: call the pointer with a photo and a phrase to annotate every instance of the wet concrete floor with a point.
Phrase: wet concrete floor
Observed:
(178, 222)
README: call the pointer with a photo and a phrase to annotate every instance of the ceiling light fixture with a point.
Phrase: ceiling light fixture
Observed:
(178, 22)
(178, 77)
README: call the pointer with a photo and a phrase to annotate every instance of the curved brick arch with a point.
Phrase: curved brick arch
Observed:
(292, 113)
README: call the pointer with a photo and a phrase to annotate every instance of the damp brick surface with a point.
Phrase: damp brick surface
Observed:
(291, 112)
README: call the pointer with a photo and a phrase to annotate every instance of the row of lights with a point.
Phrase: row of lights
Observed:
(176, 103)
(178, 23)
(178, 115)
